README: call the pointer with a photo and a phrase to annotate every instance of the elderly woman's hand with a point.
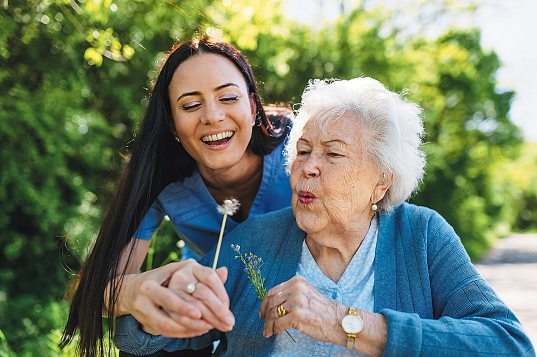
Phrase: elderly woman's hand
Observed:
(160, 301)
(307, 310)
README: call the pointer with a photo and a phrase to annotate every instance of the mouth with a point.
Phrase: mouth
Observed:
(306, 197)
(218, 139)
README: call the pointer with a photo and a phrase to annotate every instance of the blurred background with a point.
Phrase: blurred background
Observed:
(75, 76)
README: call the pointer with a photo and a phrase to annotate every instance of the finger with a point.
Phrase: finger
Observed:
(283, 323)
(271, 316)
(193, 325)
(169, 300)
(213, 310)
(161, 324)
(222, 274)
(164, 272)
(268, 327)
(211, 279)
(273, 302)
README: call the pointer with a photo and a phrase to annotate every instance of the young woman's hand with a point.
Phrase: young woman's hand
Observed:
(170, 310)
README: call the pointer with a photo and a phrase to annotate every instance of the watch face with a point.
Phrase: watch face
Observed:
(352, 324)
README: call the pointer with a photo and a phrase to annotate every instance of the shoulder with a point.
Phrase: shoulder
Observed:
(420, 224)
(268, 223)
(277, 155)
(413, 216)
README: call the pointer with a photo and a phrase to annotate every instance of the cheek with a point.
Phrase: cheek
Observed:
(183, 125)
(295, 175)
(346, 188)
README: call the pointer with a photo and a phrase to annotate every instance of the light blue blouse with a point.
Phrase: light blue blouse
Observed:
(354, 288)
(192, 209)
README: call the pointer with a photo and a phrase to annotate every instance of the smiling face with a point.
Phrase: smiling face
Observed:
(212, 111)
(334, 183)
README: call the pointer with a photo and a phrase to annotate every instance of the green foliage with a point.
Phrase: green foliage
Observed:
(74, 79)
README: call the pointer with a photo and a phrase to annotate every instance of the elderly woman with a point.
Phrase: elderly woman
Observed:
(352, 268)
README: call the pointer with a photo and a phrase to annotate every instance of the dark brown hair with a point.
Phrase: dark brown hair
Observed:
(156, 160)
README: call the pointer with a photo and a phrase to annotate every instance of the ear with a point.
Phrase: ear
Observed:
(253, 107)
(382, 186)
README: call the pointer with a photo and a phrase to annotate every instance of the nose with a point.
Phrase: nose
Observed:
(311, 167)
(213, 114)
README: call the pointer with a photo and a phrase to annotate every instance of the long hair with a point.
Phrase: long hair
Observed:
(156, 160)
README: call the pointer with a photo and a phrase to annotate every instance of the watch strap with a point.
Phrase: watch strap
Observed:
(351, 337)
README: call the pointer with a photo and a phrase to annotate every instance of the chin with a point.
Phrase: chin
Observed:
(308, 222)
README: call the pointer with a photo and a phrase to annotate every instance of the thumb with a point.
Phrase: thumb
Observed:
(222, 274)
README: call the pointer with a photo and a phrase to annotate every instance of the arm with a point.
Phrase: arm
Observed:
(315, 315)
(156, 298)
(209, 297)
(469, 319)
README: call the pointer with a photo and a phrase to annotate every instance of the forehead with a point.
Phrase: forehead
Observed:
(345, 128)
(206, 70)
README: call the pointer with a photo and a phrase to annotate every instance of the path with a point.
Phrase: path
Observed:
(511, 268)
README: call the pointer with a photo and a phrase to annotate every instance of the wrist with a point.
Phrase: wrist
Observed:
(372, 340)
(353, 325)
(340, 336)
(123, 298)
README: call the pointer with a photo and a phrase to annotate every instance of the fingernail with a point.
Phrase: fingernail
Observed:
(230, 320)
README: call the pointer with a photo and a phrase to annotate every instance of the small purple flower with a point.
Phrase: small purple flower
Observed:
(252, 267)
(236, 248)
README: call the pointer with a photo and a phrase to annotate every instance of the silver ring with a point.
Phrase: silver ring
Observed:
(190, 288)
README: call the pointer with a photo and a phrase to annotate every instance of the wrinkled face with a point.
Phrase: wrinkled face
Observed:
(212, 111)
(333, 181)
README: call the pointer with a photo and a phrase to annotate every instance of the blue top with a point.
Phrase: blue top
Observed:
(434, 300)
(354, 288)
(192, 209)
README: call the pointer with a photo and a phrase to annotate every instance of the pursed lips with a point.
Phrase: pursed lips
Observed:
(306, 197)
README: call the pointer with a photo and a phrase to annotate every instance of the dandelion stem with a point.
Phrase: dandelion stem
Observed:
(219, 241)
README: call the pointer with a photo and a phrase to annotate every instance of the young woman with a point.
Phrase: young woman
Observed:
(205, 137)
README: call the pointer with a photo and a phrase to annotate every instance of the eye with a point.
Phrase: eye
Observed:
(230, 98)
(302, 152)
(191, 106)
(334, 154)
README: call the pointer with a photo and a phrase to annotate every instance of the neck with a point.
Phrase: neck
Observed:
(333, 251)
(240, 181)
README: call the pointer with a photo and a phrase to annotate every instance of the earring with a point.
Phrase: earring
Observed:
(177, 139)
(374, 207)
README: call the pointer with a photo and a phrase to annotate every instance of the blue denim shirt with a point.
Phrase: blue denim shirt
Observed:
(192, 209)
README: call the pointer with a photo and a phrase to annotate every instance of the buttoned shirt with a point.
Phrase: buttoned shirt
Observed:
(353, 289)
(193, 211)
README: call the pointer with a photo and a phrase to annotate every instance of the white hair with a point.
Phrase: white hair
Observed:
(392, 125)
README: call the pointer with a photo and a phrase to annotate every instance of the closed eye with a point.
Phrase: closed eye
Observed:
(334, 154)
(230, 99)
(191, 106)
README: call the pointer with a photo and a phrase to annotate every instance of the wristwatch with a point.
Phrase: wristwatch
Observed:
(352, 324)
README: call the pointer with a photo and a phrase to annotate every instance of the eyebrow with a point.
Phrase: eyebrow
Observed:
(186, 94)
(337, 141)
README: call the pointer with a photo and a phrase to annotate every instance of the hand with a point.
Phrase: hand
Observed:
(153, 304)
(308, 311)
(209, 297)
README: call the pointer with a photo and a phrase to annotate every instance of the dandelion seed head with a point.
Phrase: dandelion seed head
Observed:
(229, 206)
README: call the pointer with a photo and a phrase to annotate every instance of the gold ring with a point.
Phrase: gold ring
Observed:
(190, 288)
(281, 311)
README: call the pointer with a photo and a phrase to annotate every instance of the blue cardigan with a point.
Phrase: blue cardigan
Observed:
(434, 300)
